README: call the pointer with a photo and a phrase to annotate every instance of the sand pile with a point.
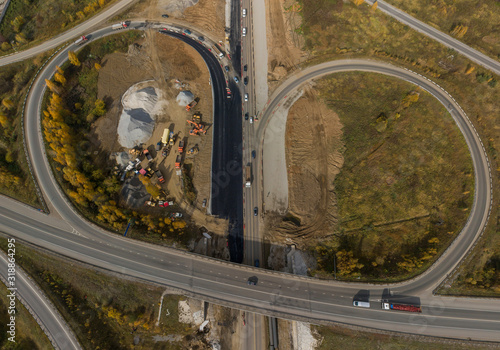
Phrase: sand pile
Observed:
(137, 120)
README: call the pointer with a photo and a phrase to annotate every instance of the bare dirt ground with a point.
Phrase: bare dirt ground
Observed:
(162, 60)
(283, 44)
(206, 16)
(312, 139)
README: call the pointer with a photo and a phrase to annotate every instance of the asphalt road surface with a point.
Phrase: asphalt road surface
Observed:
(47, 316)
(439, 36)
(278, 294)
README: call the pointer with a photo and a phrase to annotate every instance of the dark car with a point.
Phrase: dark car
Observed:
(226, 68)
(164, 16)
(254, 154)
(253, 280)
(257, 263)
(245, 81)
(200, 38)
(255, 211)
(246, 116)
(245, 68)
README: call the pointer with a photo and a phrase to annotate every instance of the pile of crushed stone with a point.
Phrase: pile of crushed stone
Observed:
(137, 120)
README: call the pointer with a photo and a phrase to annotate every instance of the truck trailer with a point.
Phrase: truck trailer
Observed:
(120, 25)
(81, 40)
(401, 307)
(248, 175)
(218, 51)
(164, 138)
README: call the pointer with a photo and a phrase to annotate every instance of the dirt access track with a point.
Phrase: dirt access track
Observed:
(162, 61)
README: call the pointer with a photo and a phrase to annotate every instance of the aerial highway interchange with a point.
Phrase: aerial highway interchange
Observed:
(282, 295)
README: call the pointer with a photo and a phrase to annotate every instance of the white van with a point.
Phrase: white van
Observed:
(361, 303)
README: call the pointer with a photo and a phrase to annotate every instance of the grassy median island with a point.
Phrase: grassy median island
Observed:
(339, 30)
(15, 178)
(407, 181)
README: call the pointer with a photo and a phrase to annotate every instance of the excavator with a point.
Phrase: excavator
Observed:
(197, 128)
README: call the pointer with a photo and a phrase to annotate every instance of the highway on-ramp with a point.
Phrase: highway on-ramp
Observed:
(276, 294)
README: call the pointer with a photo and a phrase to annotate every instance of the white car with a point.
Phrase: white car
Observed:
(244, 31)
(251, 120)
(246, 97)
(244, 13)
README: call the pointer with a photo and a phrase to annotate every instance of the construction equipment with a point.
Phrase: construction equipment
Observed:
(192, 151)
(178, 162)
(181, 146)
(197, 128)
(191, 105)
(197, 118)
(172, 139)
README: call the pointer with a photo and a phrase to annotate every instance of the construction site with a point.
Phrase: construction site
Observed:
(157, 129)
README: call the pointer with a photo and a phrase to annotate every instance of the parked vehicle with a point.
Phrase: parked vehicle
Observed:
(251, 120)
(160, 176)
(226, 68)
(148, 156)
(244, 32)
(246, 116)
(246, 97)
(178, 162)
(253, 154)
(158, 146)
(245, 68)
(165, 16)
(255, 211)
(401, 307)
(181, 146)
(204, 204)
(244, 13)
(187, 31)
(236, 80)
(256, 263)
(200, 38)
(245, 81)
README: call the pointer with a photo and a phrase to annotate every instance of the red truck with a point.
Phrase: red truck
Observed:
(178, 162)
(181, 146)
(401, 307)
